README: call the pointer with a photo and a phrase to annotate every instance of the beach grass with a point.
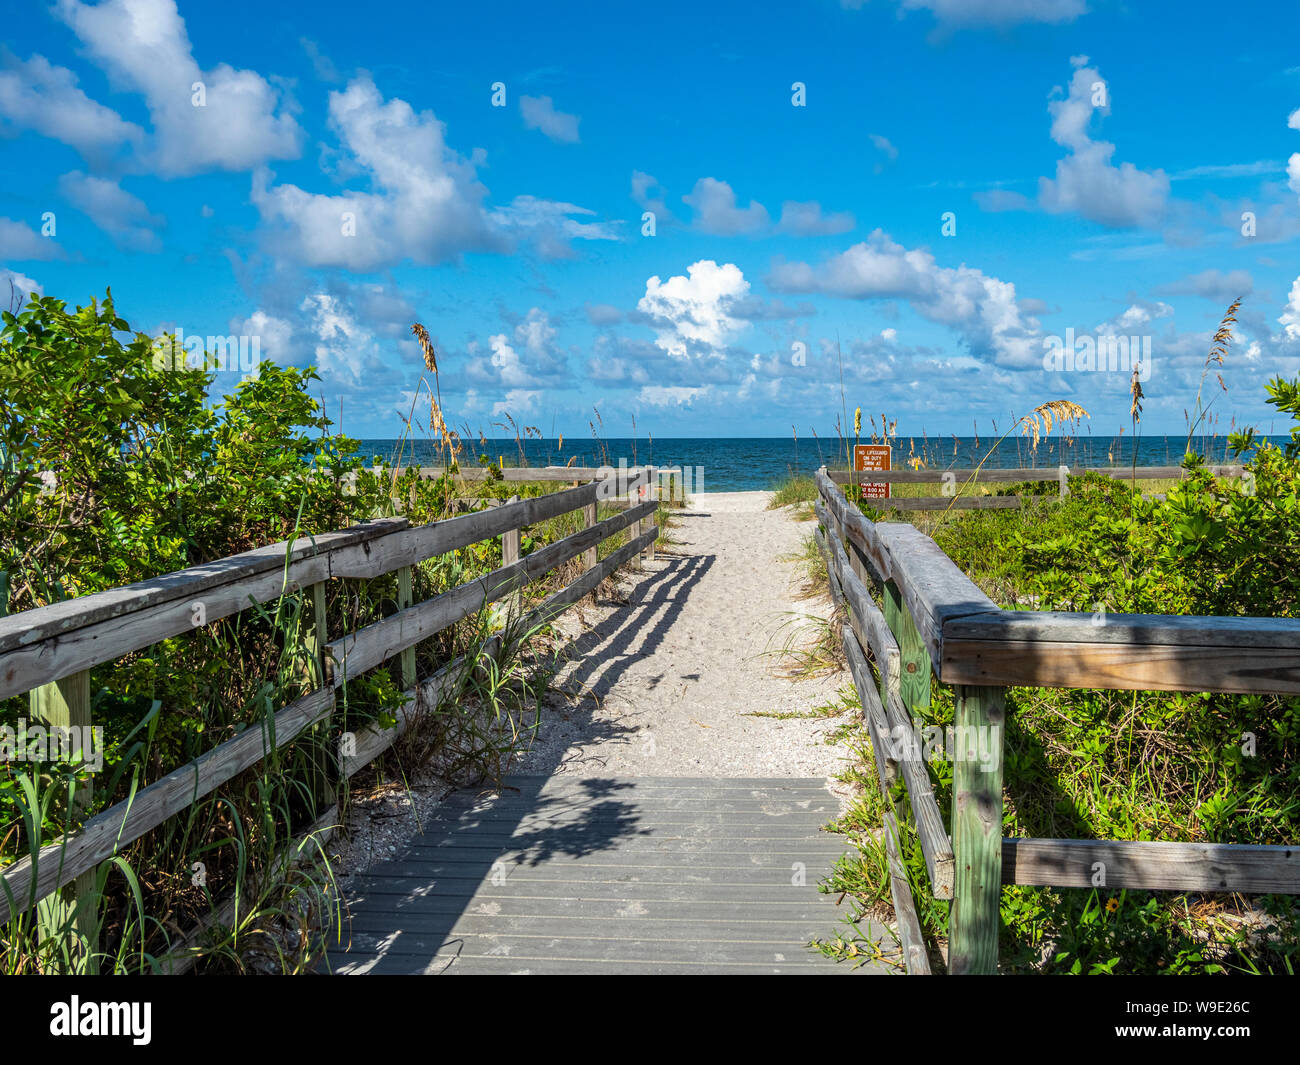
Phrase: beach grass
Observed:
(794, 489)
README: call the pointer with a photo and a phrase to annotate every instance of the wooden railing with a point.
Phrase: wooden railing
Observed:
(50, 651)
(956, 481)
(666, 483)
(936, 623)
(638, 475)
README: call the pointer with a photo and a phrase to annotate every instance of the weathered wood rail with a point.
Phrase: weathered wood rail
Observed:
(666, 483)
(637, 475)
(955, 481)
(936, 623)
(50, 651)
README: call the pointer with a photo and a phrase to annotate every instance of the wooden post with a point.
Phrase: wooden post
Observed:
(316, 643)
(66, 704)
(975, 919)
(589, 516)
(509, 556)
(914, 659)
(654, 494)
(405, 597)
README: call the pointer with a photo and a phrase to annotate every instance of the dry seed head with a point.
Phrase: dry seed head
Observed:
(1038, 422)
(426, 346)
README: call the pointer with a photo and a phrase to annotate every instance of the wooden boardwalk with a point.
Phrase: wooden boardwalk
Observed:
(598, 875)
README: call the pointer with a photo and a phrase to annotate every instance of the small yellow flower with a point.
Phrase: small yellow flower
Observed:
(1112, 905)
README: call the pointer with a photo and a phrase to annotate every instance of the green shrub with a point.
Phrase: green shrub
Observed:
(1193, 767)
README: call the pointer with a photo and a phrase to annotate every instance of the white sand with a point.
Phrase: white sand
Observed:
(668, 676)
(671, 675)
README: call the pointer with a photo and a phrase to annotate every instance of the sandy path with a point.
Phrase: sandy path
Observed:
(671, 675)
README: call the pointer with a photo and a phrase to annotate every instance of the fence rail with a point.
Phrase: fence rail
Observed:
(49, 651)
(958, 479)
(936, 623)
(623, 474)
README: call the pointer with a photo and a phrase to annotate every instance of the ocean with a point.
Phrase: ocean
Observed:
(735, 464)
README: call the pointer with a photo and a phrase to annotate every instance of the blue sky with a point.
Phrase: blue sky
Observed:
(1106, 169)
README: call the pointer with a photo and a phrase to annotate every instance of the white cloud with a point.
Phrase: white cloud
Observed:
(982, 309)
(886, 149)
(1003, 200)
(716, 211)
(143, 45)
(1228, 170)
(427, 205)
(551, 225)
(671, 395)
(1086, 180)
(692, 313)
(23, 287)
(527, 358)
(997, 13)
(321, 64)
(39, 96)
(1293, 164)
(536, 333)
(506, 362)
(883, 144)
(807, 220)
(1290, 317)
(518, 401)
(19, 241)
(540, 114)
(340, 344)
(1134, 317)
(1215, 285)
(649, 195)
(275, 335)
(122, 216)
(603, 314)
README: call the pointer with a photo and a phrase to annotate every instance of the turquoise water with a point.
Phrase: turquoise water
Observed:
(732, 464)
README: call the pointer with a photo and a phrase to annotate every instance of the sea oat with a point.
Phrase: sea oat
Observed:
(1038, 422)
(426, 346)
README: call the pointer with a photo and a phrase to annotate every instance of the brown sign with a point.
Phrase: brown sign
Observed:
(872, 457)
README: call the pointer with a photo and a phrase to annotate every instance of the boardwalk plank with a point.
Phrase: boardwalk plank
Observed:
(634, 875)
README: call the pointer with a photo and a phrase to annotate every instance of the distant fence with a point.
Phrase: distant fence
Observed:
(957, 480)
(50, 651)
(669, 483)
(935, 621)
